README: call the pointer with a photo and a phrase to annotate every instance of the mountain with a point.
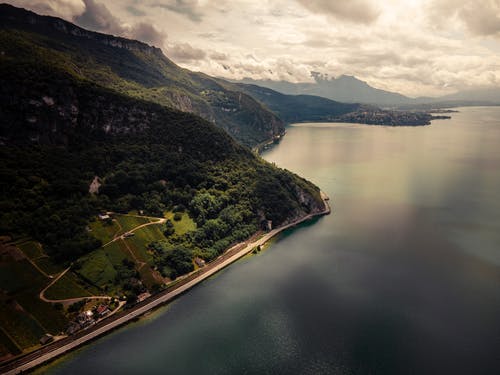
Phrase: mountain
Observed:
(347, 89)
(135, 69)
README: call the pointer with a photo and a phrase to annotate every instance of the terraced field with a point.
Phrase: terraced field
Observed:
(24, 318)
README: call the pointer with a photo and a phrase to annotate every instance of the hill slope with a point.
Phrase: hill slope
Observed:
(296, 108)
(135, 69)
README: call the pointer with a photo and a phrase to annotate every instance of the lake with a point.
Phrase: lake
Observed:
(402, 278)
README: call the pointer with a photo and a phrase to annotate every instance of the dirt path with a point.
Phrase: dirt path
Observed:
(119, 230)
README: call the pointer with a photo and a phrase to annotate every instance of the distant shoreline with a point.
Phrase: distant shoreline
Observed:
(60, 347)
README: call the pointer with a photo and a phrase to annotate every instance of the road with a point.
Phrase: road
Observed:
(57, 348)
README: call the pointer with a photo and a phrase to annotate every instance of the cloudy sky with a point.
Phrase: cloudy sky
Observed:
(415, 47)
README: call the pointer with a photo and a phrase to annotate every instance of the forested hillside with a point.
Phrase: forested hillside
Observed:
(135, 69)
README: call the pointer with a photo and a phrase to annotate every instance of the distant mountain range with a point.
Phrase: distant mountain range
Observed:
(349, 89)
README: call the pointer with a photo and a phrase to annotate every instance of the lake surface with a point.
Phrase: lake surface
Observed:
(402, 278)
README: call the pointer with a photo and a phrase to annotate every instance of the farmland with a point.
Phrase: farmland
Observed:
(123, 263)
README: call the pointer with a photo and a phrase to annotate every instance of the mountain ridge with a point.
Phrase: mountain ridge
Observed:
(136, 69)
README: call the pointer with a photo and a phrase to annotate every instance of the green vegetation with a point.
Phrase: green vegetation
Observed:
(103, 230)
(68, 286)
(48, 266)
(18, 276)
(182, 226)
(31, 249)
(24, 318)
(130, 222)
(20, 326)
(97, 269)
(45, 314)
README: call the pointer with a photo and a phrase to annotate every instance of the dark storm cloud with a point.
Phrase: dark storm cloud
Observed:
(482, 20)
(481, 17)
(147, 33)
(187, 8)
(358, 11)
(218, 56)
(135, 11)
(184, 52)
(97, 17)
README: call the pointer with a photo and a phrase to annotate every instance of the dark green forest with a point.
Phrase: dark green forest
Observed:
(58, 132)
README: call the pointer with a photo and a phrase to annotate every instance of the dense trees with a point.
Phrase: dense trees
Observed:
(147, 157)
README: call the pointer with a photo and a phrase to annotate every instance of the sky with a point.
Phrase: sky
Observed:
(417, 48)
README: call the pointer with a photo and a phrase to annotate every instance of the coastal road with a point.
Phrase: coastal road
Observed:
(65, 345)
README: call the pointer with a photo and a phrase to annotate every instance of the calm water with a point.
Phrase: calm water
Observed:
(403, 277)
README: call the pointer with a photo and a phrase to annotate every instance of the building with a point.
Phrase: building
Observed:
(46, 339)
(102, 310)
(199, 262)
(141, 297)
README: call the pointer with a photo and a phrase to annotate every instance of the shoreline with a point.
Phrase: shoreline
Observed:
(236, 252)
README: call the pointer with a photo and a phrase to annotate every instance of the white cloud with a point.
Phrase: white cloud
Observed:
(359, 11)
(426, 47)
(60, 8)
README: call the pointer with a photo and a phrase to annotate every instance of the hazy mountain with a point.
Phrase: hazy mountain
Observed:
(349, 89)
(135, 69)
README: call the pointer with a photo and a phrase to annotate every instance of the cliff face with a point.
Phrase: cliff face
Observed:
(134, 69)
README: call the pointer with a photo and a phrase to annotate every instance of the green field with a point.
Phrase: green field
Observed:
(46, 315)
(120, 225)
(24, 318)
(47, 266)
(186, 224)
(117, 252)
(130, 222)
(103, 231)
(18, 276)
(31, 249)
(97, 269)
(19, 325)
(142, 237)
(68, 286)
